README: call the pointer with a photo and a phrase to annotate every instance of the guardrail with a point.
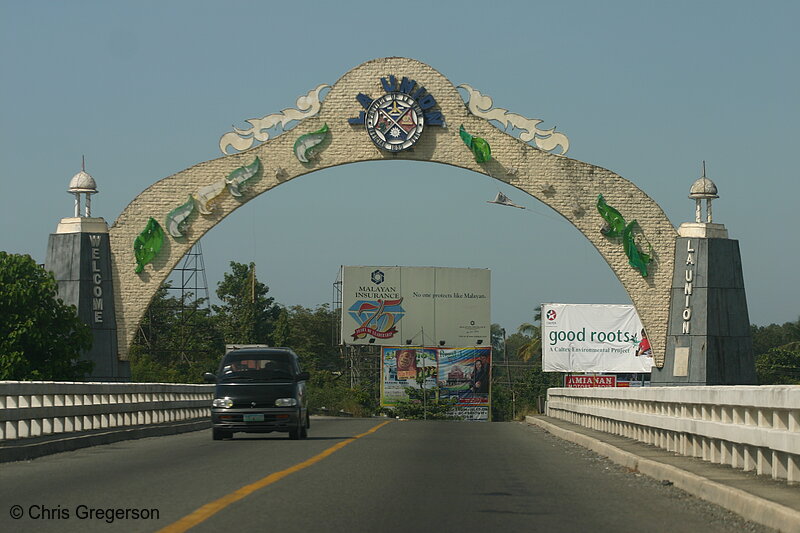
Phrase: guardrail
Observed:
(40, 408)
(747, 427)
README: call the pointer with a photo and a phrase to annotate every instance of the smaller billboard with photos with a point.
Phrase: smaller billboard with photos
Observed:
(461, 374)
(594, 338)
(464, 375)
(406, 367)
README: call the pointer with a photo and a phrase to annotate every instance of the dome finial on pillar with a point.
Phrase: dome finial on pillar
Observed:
(703, 189)
(82, 183)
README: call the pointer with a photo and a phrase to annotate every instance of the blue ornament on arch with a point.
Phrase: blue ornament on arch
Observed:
(396, 120)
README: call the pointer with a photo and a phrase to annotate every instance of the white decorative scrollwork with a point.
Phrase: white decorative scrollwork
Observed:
(307, 106)
(548, 140)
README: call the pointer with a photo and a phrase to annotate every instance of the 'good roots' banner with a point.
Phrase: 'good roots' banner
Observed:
(594, 338)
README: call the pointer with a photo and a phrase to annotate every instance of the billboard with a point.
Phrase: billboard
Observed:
(401, 367)
(464, 376)
(461, 374)
(421, 306)
(594, 338)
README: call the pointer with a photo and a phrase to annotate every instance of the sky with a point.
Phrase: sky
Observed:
(648, 90)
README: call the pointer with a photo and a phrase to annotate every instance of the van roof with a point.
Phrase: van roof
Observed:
(270, 349)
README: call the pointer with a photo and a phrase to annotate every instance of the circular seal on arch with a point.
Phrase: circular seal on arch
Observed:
(394, 122)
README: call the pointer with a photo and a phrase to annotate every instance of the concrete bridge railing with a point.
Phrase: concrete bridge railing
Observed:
(747, 427)
(41, 408)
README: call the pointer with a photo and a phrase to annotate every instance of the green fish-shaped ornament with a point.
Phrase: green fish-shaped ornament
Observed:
(241, 176)
(615, 222)
(616, 227)
(306, 143)
(636, 258)
(479, 146)
(176, 219)
(148, 244)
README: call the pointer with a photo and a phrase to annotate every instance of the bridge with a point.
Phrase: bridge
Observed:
(733, 448)
(706, 433)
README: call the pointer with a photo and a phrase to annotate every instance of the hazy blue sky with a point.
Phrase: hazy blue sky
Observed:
(145, 89)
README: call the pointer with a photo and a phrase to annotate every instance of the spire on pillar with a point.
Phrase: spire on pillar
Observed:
(703, 189)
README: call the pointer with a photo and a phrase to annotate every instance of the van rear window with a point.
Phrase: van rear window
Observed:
(257, 366)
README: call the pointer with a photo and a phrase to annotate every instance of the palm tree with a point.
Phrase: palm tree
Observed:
(497, 338)
(532, 348)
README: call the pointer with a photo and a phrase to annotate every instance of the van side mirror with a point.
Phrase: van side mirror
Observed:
(303, 376)
(209, 377)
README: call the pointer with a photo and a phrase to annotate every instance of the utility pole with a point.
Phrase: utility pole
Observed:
(421, 382)
(508, 378)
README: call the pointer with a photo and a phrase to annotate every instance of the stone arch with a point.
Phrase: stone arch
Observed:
(568, 186)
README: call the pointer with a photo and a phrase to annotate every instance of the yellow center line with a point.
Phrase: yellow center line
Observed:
(210, 509)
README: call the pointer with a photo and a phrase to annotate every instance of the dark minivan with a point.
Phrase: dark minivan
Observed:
(259, 389)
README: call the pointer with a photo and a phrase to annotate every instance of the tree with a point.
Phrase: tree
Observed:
(504, 377)
(246, 315)
(497, 337)
(41, 338)
(425, 404)
(534, 385)
(514, 344)
(778, 367)
(309, 332)
(766, 338)
(519, 392)
(176, 341)
(532, 348)
(777, 353)
(329, 393)
(282, 334)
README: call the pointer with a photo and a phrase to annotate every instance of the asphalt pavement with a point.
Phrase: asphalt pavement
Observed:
(402, 476)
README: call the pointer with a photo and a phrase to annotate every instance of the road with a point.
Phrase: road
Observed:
(403, 476)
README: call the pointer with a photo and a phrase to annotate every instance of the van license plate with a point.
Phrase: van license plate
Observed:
(253, 418)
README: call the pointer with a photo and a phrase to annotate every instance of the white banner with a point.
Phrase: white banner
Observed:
(418, 306)
(594, 338)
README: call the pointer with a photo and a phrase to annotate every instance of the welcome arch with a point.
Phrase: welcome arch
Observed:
(568, 186)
